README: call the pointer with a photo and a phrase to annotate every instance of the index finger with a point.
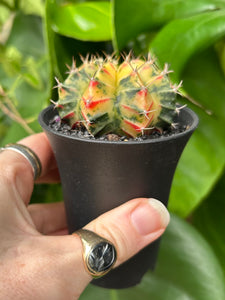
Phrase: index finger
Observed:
(17, 173)
(40, 145)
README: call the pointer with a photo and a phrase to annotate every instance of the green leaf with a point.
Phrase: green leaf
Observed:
(27, 35)
(194, 265)
(187, 270)
(62, 49)
(203, 159)
(138, 16)
(220, 47)
(209, 219)
(88, 21)
(180, 39)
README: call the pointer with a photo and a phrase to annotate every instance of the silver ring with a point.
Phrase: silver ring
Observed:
(99, 255)
(28, 154)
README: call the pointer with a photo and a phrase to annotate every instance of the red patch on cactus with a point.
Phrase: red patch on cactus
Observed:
(142, 93)
(93, 83)
(74, 126)
(146, 67)
(60, 106)
(129, 108)
(92, 104)
(151, 118)
(159, 77)
(134, 126)
(112, 65)
(148, 110)
(69, 115)
(107, 72)
(124, 65)
(62, 91)
(85, 117)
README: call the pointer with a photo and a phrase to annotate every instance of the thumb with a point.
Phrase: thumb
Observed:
(129, 227)
(132, 226)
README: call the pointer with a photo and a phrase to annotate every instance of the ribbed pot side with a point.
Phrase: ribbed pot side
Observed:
(97, 176)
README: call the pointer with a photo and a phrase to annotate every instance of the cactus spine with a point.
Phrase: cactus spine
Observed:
(129, 99)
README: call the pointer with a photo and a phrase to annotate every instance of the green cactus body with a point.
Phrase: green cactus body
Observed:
(128, 99)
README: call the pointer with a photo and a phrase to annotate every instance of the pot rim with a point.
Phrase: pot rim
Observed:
(187, 111)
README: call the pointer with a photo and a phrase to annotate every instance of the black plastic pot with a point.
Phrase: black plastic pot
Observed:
(98, 175)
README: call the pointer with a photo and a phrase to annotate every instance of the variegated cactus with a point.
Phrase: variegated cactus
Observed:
(129, 98)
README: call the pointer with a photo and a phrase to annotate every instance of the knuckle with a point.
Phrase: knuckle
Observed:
(8, 174)
(11, 171)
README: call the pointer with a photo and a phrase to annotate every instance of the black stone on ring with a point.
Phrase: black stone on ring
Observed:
(99, 254)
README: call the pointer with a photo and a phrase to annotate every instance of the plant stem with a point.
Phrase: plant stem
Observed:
(114, 295)
(49, 38)
(3, 2)
(16, 4)
(10, 110)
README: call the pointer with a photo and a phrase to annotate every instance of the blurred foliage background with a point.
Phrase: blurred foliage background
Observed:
(38, 38)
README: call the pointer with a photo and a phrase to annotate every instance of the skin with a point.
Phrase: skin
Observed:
(38, 259)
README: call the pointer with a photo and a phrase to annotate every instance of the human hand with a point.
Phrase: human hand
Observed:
(38, 259)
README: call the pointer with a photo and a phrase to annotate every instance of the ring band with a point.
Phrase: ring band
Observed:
(28, 154)
(99, 255)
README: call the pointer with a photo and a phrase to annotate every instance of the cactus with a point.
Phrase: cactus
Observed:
(129, 98)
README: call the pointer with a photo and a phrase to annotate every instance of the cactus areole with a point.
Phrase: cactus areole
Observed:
(128, 99)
